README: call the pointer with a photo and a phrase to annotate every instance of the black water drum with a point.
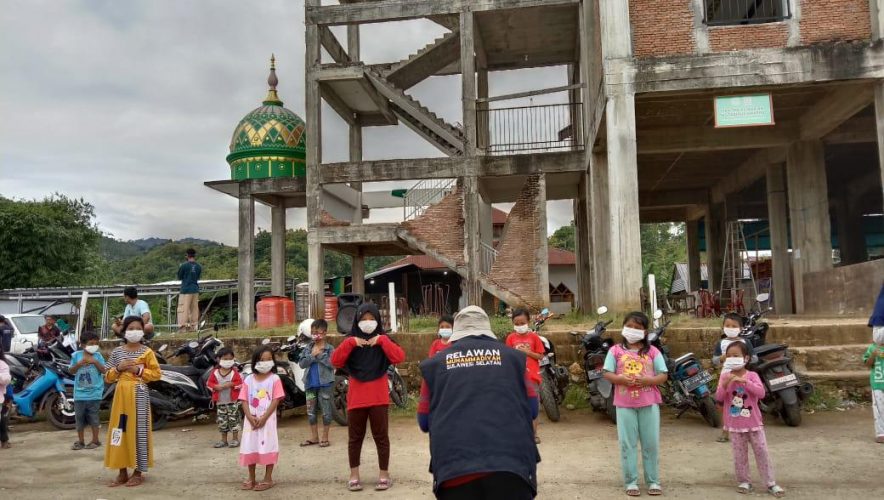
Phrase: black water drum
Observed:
(347, 305)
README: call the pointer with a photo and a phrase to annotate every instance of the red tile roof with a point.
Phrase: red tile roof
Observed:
(559, 257)
(498, 217)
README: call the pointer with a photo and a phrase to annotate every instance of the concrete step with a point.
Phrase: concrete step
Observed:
(837, 358)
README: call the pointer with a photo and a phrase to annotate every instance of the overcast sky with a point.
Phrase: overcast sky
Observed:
(131, 104)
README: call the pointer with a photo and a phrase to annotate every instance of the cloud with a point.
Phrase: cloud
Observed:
(131, 105)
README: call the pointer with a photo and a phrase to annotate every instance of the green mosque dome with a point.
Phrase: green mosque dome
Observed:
(270, 141)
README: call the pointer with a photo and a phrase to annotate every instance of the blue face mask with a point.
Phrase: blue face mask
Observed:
(445, 333)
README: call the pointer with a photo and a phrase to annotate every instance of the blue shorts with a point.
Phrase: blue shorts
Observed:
(86, 413)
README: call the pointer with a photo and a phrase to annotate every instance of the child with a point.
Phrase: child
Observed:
(740, 390)
(367, 353)
(5, 398)
(636, 368)
(224, 383)
(523, 339)
(446, 328)
(874, 359)
(87, 367)
(318, 381)
(261, 392)
(733, 325)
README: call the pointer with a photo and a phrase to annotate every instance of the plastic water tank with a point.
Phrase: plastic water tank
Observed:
(288, 311)
(270, 312)
(331, 308)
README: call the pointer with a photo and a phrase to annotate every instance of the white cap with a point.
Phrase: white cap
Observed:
(304, 328)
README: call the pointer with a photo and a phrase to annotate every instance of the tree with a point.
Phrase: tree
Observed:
(564, 238)
(53, 242)
(663, 245)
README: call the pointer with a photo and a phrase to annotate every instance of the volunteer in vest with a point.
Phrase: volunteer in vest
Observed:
(474, 403)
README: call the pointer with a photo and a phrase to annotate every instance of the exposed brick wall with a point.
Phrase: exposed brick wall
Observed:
(755, 36)
(661, 27)
(834, 20)
(327, 220)
(514, 268)
(441, 227)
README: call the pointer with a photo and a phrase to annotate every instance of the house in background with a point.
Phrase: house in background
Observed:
(431, 288)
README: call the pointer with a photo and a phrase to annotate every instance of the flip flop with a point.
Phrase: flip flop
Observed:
(324, 444)
(383, 484)
(309, 442)
(264, 485)
(92, 446)
(135, 481)
(744, 488)
(655, 490)
(354, 485)
(247, 485)
(633, 491)
(78, 445)
(116, 482)
(776, 491)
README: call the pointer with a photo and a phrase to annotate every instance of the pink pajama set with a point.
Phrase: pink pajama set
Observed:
(742, 419)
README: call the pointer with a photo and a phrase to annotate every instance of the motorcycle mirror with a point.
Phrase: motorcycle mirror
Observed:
(193, 344)
(762, 297)
(202, 324)
(658, 314)
(601, 310)
(265, 341)
(291, 338)
(163, 348)
(545, 311)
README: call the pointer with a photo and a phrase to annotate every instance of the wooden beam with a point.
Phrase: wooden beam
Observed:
(834, 109)
(333, 100)
(332, 46)
(394, 10)
(708, 138)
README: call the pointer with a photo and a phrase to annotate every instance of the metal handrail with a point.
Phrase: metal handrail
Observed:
(423, 194)
(487, 256)
(530, 129)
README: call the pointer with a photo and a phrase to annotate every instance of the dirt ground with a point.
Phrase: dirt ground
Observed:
(832, 455)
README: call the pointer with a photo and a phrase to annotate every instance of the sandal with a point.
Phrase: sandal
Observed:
(78, 445)
(134, 481)
(383, 484)
(264, 485)
(744, 488)
(247, 485)
(354, 485)
(92, 446)
(324, 444)
(234, 444)
(655, 490)
(118, 482)
(220, 444)
(722, 439)
(309, 442)
(633, 491)
(776, 491)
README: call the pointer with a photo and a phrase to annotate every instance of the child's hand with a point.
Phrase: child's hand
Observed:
(372, 341)
(360, 342)
(316, 351)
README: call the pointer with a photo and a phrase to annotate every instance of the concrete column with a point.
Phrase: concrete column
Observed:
(315, 279)
(277, 248)
(246, 258)
(471, 288)
(849, 220)
(313, 117)
(616, 29)
(598, 223)
(486, 223)
(468, 81)
(808, 213)
(357, 266)
(692, 230)
(541, 253)
(482, 125)
(779, 239)
(582, 241)
(714, 244)
(876, 9)
(879, 121)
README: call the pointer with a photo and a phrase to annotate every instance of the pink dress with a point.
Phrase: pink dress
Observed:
(259, 446)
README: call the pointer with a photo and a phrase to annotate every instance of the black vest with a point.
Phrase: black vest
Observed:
(480, 420)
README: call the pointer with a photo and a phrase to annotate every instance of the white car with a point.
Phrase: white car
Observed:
(25, 330)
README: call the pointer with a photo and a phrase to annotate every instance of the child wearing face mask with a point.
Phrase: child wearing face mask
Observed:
(739, 391)
(523, 339)
(319, 378)
(260, 393)
(87, 367)
(224, 383)
(446, 328)
(730, 332)
(636, 368)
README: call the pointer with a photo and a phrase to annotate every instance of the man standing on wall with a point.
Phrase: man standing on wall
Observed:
(189, 299)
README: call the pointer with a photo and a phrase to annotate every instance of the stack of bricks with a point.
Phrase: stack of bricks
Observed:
(835, 20)
(513, 270)
(440, 227)
(327, 220)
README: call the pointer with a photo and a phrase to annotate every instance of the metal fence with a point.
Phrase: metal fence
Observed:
(425, 193)
(488, 255)
(725, 12)
(530, 129)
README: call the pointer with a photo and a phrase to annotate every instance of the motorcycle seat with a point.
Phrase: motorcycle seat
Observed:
(768, 349)
(684, 357)
(187, 370)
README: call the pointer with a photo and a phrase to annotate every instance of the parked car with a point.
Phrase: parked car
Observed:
(25, 330)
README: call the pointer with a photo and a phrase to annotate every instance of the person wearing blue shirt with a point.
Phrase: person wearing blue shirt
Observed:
(189, 298)
(134, 307)
(87, 366)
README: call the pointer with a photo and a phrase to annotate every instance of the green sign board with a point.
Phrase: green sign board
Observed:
(744, 110)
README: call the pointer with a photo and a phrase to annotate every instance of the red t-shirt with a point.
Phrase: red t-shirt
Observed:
(532, 340)
(374, 392)
(436, 346)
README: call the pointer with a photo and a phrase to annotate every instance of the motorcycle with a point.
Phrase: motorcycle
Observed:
(785, 391)
(594, 348)
(686, 387)
(554, 378)
(396, 385)
(291, 375)
(51, 391)
(181, 391)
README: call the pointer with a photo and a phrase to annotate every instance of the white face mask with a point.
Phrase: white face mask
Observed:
(523, 329)
(263, 366)
(134, 336)
(731, 333)
(445, 332)
(368, 326)
(734, 363)
(878, 334)
(91, 349)
(632, 335)
(226, 363)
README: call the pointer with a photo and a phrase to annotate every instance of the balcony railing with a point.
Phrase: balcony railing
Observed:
(530, 129)
(734, 12)
(487, 257)
(425, 193)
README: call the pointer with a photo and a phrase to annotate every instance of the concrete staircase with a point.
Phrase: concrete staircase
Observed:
(426, 62)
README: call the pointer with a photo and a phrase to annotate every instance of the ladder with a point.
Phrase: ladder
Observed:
(735, 270)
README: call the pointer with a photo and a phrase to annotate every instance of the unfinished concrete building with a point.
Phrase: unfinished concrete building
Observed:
(635, 142)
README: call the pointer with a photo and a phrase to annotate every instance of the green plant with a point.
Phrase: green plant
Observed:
(410, 409)
(575, 396)
(822, 399)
